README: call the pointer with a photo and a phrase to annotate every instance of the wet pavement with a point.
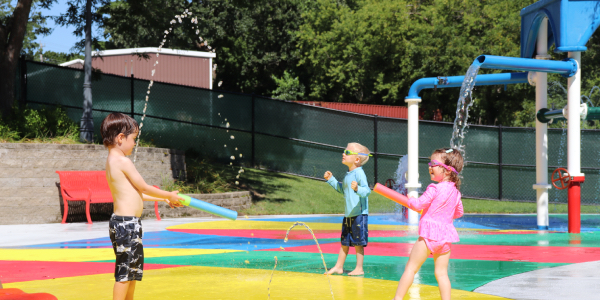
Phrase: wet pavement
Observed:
(498, 257)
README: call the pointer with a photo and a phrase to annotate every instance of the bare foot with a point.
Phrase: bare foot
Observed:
(356, 272)
(335, 270)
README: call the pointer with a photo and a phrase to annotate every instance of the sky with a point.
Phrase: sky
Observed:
(61, 39)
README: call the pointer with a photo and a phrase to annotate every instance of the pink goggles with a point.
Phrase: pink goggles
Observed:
(435, 163)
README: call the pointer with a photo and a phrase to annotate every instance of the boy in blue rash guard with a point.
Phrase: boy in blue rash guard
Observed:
(356, 191)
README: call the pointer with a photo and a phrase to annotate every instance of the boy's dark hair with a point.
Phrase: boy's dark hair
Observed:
(454, 159)
(114, 124)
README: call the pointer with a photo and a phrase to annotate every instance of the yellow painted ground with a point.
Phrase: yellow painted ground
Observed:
(271, 225)
(226, 283)
(94, 254)
(281, 225)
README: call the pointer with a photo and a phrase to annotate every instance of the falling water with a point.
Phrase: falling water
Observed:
(557, 91)
(400, 176)
(584, 98)
(269, 287)
(465, 101)
(178, 18)
(561, 154)
(592, 91)
(588, 98)
(557, 84)
(321, 252)
(400, 182)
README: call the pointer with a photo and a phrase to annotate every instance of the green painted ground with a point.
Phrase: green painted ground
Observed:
(464, 274)
(586, 239)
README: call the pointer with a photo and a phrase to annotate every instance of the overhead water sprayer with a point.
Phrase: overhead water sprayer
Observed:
(567, 67)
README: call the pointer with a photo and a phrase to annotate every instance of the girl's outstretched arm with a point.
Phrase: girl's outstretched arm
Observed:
(411, 203)
(425, 200)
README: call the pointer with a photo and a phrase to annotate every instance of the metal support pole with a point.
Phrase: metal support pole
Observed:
(413, 184)
(500, 162)
(574, 145)
(375, 119)
(132, 91)
(253, 131)
(541, 132)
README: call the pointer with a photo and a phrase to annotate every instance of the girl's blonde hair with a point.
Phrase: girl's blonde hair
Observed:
(452, 157)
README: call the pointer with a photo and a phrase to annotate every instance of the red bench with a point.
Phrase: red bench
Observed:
(88, 186)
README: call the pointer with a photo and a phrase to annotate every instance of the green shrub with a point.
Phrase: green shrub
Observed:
(203, 177)
(7, 134)
(29, 123)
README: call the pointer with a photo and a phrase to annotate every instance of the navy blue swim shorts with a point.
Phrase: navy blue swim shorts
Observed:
(355, 231)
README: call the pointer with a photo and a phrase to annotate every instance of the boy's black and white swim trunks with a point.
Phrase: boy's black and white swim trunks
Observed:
(126, 236)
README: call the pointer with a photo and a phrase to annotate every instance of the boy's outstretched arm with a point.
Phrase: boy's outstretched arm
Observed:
(333, 182)
(171, 204)
(140, 184)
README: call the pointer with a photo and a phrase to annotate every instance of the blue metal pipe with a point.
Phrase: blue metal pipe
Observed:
(456, 81)
(567, 67)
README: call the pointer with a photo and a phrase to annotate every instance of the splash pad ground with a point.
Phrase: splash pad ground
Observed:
(498, 257)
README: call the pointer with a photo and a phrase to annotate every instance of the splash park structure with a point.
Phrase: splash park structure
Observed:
(566, 24)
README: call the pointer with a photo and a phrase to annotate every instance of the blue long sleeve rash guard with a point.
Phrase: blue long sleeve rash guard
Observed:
(357, 203)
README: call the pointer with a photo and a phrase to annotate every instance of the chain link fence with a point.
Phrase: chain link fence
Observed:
(306, 140)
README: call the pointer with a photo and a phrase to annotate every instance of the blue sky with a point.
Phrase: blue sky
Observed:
(62, 38)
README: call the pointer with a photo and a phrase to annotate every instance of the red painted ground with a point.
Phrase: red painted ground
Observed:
(18, 271)
(473, 252)
(17, 294)
(511, 232)
(280, 234)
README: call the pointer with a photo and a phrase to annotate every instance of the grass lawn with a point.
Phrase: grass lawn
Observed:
(287, 194)
(278, 193)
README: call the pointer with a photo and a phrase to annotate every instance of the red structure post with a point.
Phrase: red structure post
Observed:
(575, 203)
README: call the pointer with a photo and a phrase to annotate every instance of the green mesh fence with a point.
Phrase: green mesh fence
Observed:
(306, 140)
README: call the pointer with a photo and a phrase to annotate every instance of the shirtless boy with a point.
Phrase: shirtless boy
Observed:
(129, 190)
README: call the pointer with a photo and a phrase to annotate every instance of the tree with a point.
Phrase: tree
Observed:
(76, 16)
(371, 51)
(253, 39)
(288, 87)
(82, 18)
(14, 25)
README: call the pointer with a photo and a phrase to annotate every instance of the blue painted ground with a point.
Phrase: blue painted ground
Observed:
(373, 220)
(169, 239)
(558, 222)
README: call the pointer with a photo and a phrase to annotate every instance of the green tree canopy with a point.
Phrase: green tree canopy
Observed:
(361, 51)
(253, 39)
(371, 52)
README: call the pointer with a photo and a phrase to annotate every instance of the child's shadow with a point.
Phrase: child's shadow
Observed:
(346, 273)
